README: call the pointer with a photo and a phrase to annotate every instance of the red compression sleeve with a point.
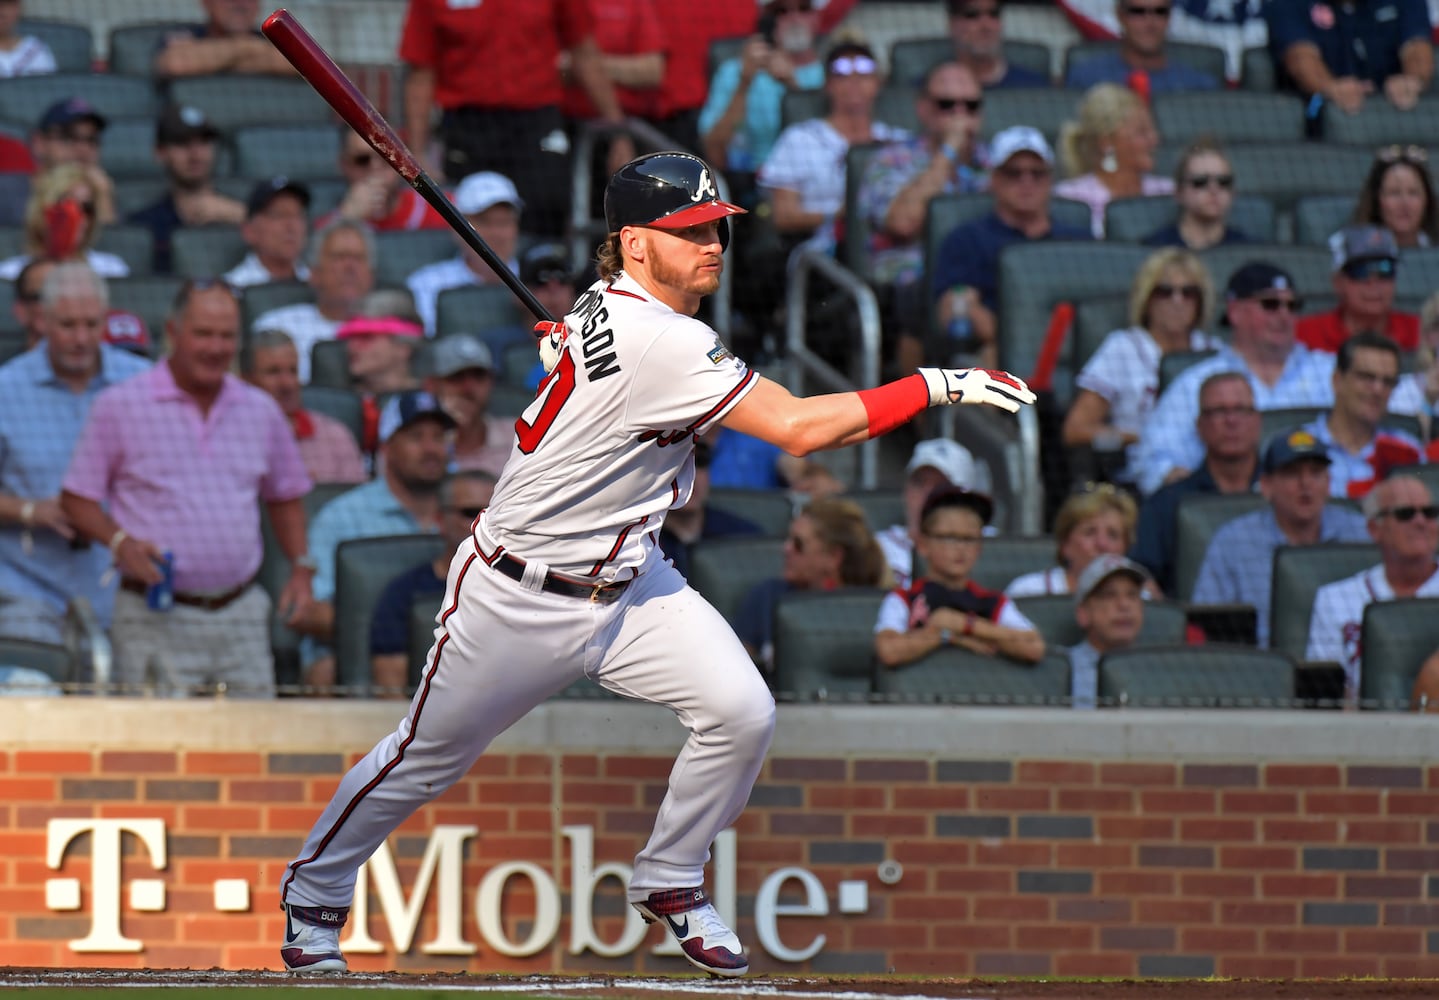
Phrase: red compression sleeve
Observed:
(894, 404)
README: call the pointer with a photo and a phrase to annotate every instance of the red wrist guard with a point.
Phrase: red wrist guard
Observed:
(894, 404)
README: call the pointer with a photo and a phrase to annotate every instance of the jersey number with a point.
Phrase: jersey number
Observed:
(558, 388)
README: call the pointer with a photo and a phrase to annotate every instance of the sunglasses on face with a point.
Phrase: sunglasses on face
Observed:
(853, 66)
(975, 13)
(1408, 513)
(1201, 181)
(1190, 293)
(1362, 270)
(950, 104)
(1396, 152)
(1023, 173)
(1133, 10)
(1273, 305)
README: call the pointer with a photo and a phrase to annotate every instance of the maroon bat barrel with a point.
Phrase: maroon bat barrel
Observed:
(320, 71)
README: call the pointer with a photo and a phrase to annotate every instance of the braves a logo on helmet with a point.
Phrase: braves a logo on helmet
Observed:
(705, 189)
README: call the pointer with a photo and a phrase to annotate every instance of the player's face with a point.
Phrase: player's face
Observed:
(204, 338)
(1298, 491)
(73, 328)
(687, 260)
(1415, 538)
(1101, 534)
(417, 455)
(342, 272)
(276, 370)
(950, 544)
(1113, 614)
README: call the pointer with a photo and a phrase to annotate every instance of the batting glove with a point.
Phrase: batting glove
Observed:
(976, 385)
(551, 337)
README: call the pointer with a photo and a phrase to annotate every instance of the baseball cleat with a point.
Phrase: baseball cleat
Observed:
(312, 939)
(705, 939)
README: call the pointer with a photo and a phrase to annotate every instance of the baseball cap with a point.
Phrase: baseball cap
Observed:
(1019, 139)
(385, 326)
(958, 496)
(69, 110)
(263, 193)
(1255, 277)
(545, 262)
(182, 122)
(1101, 569)
(485, 190)
(1288, 447)
(408, 408)
(1356, 243)
(951, 458)
(127, 330)
(458, 353)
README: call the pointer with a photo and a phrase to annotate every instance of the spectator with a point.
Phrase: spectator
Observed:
(1109, 152)
(829, 546)
(342, 273)
(1098, 519)
(747, 463)
(1238, 566)
(493, 206)
(26, 307)
(328, 449)
(1403, 521)
(695, 520)
(63, 221)
(1228, 427)
(21, 55)
(170, 468)
(741, 117)
(907, 174)
(1139, 62)
(277, 222)
(45, 396)
(545, 270)
(461, 378)
(945, 607)
(493, 68)
(936, 464)
(804, 174)
(1398, 195)
(227, 42)
(1109, 607)
(1361, 452)
(185, 148)
(975, 28)
(632, 57)
(69, 132)
(1260, 304)
(377, 194)
(403, 499)
(688, 31)
(1170, 303)
(1366, 266)
(966, 275)
(463, 495)
(1418, 390)
(1204, 191)
(380, 350)
(1344, 53)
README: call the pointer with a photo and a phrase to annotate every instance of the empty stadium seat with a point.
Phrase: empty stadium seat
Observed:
(1418, 275)
(724, 569)
(206, 251)
(363, 567)
(132, 46)
(1094, 320)
(1198, 517)
(343, 405)
(135, 193)
(1284, 172)
(135, 245)
(1381, 124)
(232, 101)
(1238, 116)
(1299, 572)
(330, 364)
(509, 400)
(1319, 215)
(1257, 70)
(127, 149)
(854, 243)
(399, 253)
(1209, 676)
(911, 59)
(881, 507)
(952, 674)
(24, 98)
(824, 644)
(475, 309)
(1396, 637)
(72, 44)
(304, 151)
(1044, 108)
(772, 510)
(1003, 558)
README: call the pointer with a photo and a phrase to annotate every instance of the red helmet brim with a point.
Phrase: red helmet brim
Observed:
(696, 215)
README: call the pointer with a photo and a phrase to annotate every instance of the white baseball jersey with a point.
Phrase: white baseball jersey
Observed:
(607, 447)
(1338, 616)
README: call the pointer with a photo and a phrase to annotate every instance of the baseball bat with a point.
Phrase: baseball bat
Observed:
(318, 70)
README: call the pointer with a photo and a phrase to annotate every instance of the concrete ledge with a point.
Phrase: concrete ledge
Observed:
(934, 732)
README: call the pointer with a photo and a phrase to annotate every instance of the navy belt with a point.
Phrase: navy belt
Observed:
(600, 593)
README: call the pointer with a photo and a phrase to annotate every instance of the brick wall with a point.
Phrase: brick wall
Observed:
(1027, 865)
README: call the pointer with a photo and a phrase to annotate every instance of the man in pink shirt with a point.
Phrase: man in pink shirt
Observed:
(176, 461)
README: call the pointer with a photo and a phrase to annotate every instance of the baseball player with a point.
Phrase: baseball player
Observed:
(562, 575)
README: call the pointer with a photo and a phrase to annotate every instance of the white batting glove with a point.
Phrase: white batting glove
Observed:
(976, 385)
(551, 341)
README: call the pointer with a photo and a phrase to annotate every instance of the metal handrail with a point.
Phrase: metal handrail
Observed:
(586, 230)
(800, 361)
(1014, 456)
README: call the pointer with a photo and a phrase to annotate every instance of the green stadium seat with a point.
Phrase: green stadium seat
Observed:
(475, 309)
(1238, 116)
(1284, 172)
(135, 245)
(724, 569)
(330, 365)
(1044, 108)
(509, 400)
(1005, 557)
(260, 299)
(963, 677)
(1319, 215)
(881, 507)
(1094, 320)
(206, 251)
(343, 405)
(824, 644)
(772, 510)
(72, 44)
(1381, 124)
(911, 59)
(854, 245)
(127, 149)
(132, 46)
(303, 151)
(1257, 72)
(1172, 365)
(895, 105)
(1209, 676)
(1396, 638)
(1309, 266)
(232, 101)
(1418, 274)
(400, 253)
(363, 567)
(1198, 517)
(147, 296)
(24, 98)
(1053, 616)
(1299, 572)
(1130, 220)
(51, 659)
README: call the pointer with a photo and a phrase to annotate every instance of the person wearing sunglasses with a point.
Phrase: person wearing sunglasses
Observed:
(1140, 53)
(1366, 267)
(375, 194)
(1362, 450)
(1345, 53)
(976, 30)
(462, 496)
(1108, 152)
(63, 221)
(1398, 194)
(1204, 192)
(1170, 303)
(1260, 305)
(1403, 521)
(1294, 479)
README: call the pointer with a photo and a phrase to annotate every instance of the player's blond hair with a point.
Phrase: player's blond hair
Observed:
(609, 260)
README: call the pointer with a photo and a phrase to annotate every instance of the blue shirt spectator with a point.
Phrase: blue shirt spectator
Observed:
(969, 255)
(760, 127)
(1360, 41)
(390, 624)
(1169, 236)
(1110, 67)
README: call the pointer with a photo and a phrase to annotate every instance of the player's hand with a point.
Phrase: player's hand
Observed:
(551, 337)
(976, 385)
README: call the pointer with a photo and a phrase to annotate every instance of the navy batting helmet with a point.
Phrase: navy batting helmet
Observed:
(669, 190)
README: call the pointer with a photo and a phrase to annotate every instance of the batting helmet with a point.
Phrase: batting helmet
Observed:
(668, 190)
